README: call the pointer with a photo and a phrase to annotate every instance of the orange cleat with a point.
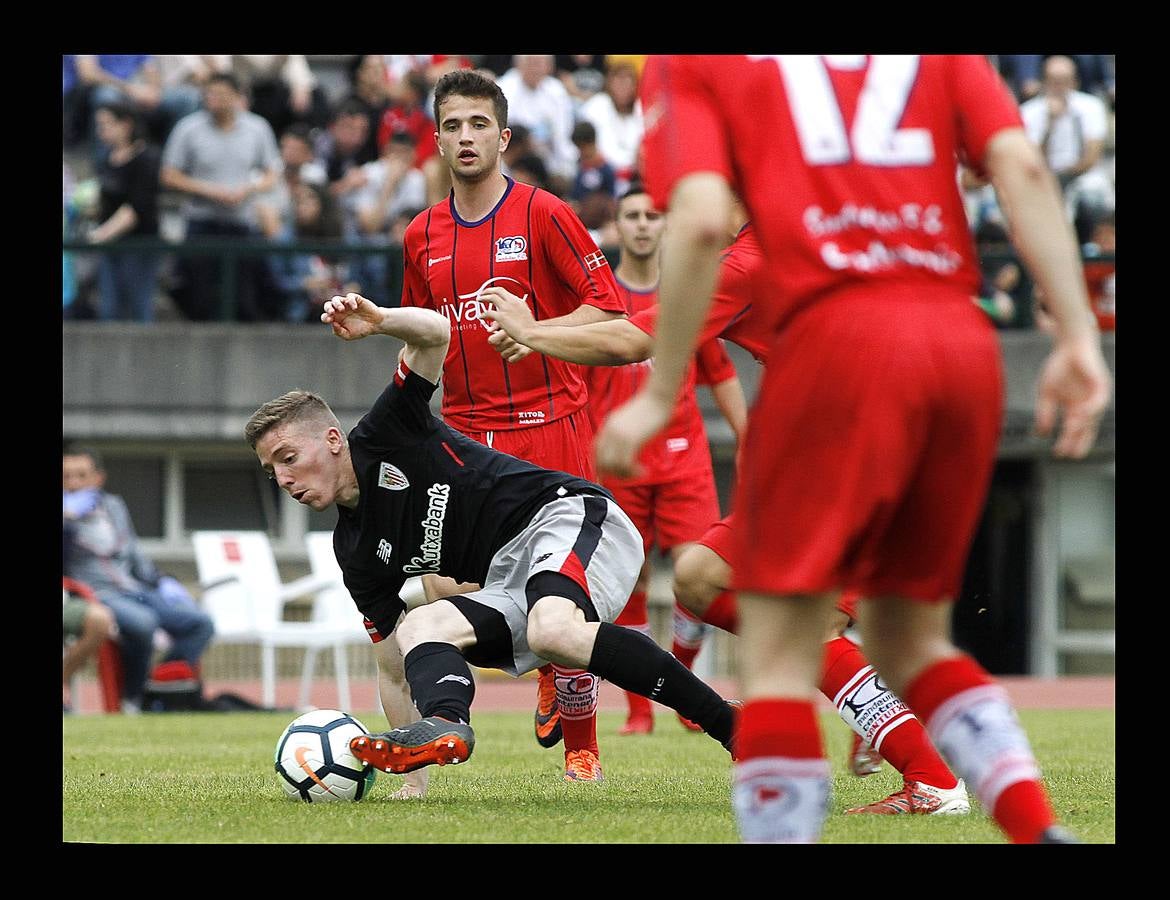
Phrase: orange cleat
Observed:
(582, 765)
(547, 720)
(429, 741)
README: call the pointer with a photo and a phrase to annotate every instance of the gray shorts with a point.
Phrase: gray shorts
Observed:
(574, 535)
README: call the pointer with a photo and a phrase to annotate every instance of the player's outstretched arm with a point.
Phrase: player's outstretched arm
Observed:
(425, 332)
(1075, 382)
(612, 342)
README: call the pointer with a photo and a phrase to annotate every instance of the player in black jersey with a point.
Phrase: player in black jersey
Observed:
(554, 556)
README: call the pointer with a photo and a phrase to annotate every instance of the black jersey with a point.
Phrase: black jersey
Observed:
(431, 501)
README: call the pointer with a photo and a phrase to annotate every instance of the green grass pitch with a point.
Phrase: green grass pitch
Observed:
(208, 778)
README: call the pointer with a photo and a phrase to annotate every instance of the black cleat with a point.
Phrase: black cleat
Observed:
(429, 741)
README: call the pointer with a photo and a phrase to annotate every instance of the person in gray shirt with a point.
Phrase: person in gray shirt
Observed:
(220, 158)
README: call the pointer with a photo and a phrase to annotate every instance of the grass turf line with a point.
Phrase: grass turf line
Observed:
(208, 778)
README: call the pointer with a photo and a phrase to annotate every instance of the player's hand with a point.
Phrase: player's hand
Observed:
(1075, 382)
(624, 432)
(511, 350)
(414, 785)
(507, 311)
(352, 316)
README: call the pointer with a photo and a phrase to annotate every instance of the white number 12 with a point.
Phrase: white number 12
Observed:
(875, 138)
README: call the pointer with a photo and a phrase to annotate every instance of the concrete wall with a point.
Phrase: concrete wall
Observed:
(189, 382)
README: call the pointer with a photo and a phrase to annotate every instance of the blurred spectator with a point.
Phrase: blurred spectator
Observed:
(89, 81)
(594, 173)
(371, 88)
(519, 146)
(531, 170)
(307, 280)
(274, 210)
(1021, 71)
(340, 147)
(128, 208)
(1070, 127)
(220, 158)
(68, 279)
(392, 186)
(280, 88)
(1103, 240)
(89, 624)
(616, 114)
(101, 550)
(1100, 274)
(582, 74)
(538, 100)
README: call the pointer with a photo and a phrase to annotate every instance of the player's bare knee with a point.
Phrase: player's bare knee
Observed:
(548, 629)
(693, 587)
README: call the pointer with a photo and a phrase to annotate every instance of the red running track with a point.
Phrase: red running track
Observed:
(497, 692)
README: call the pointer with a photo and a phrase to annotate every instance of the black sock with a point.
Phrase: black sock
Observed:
(635, 663)
(440, 682)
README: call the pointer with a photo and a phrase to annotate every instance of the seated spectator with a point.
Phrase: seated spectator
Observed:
(339, 147)
(101, 550)
(594, 174)
(128, 208)
(392, 187)
(530, 169)
(408, 114)
(616, 114)
(370, 86)
(1070, 127)
(221, 158)
(89, 624)
(89, 81)
(538, 101)
(274, 210)
(307, 280)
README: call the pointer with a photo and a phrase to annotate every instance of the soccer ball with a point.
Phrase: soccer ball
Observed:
(314, 762)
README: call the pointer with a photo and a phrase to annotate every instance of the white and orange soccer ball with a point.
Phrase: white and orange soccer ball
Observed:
(313, 759)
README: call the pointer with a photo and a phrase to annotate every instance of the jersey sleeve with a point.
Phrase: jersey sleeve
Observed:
(712, 364)
(402, 413)
(414, 285)
(382, 595)
(577, 260)
(684, 132)
(985, 105)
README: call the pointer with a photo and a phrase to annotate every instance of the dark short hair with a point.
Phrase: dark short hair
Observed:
(466, 83)
(584, 133)
(124, 112)
(350, 106)
(226, 78)
(302, 131)
(635, 187)
(73, 448)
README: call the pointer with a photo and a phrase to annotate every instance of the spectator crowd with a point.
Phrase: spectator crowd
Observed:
(253, 148)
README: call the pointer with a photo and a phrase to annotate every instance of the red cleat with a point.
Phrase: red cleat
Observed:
(638, 725)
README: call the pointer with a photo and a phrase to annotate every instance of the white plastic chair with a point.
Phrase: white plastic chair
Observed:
(243, 594)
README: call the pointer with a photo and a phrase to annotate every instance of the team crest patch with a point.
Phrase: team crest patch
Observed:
(391, 478)
(511, 249)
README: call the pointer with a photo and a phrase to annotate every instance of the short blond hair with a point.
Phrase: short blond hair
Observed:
(294, 406)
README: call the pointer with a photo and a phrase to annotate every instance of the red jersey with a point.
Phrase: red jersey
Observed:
(681, 448)
(739, 311)
(534, 246)
(846, 163)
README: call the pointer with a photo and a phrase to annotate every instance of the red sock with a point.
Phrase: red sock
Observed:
(723, 612)
(778, 728)
(577, 698)
(905, 745)
(1022, 809)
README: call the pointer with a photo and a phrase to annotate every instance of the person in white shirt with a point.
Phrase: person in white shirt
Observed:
(616, 115)
(538, 101)
(1070, 128)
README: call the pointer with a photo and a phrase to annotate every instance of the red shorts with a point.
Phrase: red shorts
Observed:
(565, 444)
(671, 513)
(719, 538)
(870, 449)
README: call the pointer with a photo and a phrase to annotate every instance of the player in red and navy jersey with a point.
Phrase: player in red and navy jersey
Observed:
(877, 424)
(493, 235)
(703, 573)
(674, 495)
